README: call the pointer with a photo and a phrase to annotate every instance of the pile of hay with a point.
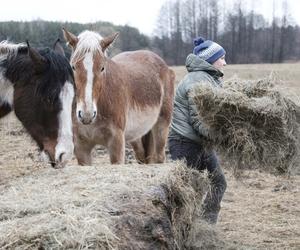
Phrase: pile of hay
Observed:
(107, 207)
(252, 123)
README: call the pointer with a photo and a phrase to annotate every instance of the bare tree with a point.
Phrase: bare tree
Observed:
(214, 19)
(283, 35)
(246, 35)
(274, 26)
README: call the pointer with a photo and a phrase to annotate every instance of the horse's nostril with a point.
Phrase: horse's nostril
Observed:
(60, 158)
(80, 114)
(94, 114)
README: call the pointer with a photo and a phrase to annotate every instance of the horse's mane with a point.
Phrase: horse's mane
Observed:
(19, 69)
(7, 47)
(89, 41)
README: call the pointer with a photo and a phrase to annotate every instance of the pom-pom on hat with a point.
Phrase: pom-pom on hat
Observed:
(208, 50)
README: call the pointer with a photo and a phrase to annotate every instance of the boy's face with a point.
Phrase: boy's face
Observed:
(220, 63)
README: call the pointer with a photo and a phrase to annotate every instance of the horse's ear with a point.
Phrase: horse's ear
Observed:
(58, 48)
(38, 60)
(106, 41)
(71, 39)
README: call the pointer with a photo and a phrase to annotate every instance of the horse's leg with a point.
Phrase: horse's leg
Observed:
(144, 149)
(160, 129)
(116, 147)
(82, 152)
(160, 134)
(139, 151)
(148, 141)
(5, 109)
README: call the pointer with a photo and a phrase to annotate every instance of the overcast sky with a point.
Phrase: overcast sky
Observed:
(141, 14)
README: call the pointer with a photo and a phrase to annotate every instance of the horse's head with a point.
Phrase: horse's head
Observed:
(43, 97)
(88, 61)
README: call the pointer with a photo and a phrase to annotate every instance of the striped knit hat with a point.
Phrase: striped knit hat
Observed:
(208, 50)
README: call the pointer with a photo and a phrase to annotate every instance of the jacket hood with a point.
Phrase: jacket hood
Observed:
(195, 63)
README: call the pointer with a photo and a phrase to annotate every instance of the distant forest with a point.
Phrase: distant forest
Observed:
(246, 36)
(44, 34)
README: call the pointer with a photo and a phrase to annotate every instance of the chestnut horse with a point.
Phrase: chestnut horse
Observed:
(39, 86)
(126, 98)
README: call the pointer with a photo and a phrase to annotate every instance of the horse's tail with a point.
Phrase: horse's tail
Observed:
(168, 78)
(7, 47)
(172, 78)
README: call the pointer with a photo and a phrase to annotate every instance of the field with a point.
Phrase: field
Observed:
(259, 210)
(288, 75)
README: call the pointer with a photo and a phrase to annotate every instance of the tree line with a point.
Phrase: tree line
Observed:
(246, 35)
(44, 34)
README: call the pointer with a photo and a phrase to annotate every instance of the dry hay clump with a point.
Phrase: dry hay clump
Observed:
(107, 207)
(252, 123)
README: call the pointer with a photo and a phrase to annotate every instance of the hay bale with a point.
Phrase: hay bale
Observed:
(252, 123)
(107, 207)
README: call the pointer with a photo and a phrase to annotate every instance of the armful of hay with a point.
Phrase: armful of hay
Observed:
(252, 123)
(198, 125)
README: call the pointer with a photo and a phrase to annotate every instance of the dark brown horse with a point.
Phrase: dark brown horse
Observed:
(39, 86)
(126, 98)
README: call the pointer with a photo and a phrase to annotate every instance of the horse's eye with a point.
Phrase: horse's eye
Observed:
(102, 69)
(73, 67)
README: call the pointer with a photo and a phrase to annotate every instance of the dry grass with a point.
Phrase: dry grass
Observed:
(100, 207)
(252, 123)
(103, 207)
(259, 211)
(18, 154)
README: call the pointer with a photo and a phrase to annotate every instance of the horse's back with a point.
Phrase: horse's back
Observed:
(140, 61)
(144, 65)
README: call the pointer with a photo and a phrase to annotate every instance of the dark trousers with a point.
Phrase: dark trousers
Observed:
(197, 157)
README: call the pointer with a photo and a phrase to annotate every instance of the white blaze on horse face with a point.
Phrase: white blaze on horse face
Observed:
(90, 105)
(88, 65)
(64, 148)
(6, 90)
(139, 122)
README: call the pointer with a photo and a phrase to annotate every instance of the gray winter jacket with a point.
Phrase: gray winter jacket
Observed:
(185, 121)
